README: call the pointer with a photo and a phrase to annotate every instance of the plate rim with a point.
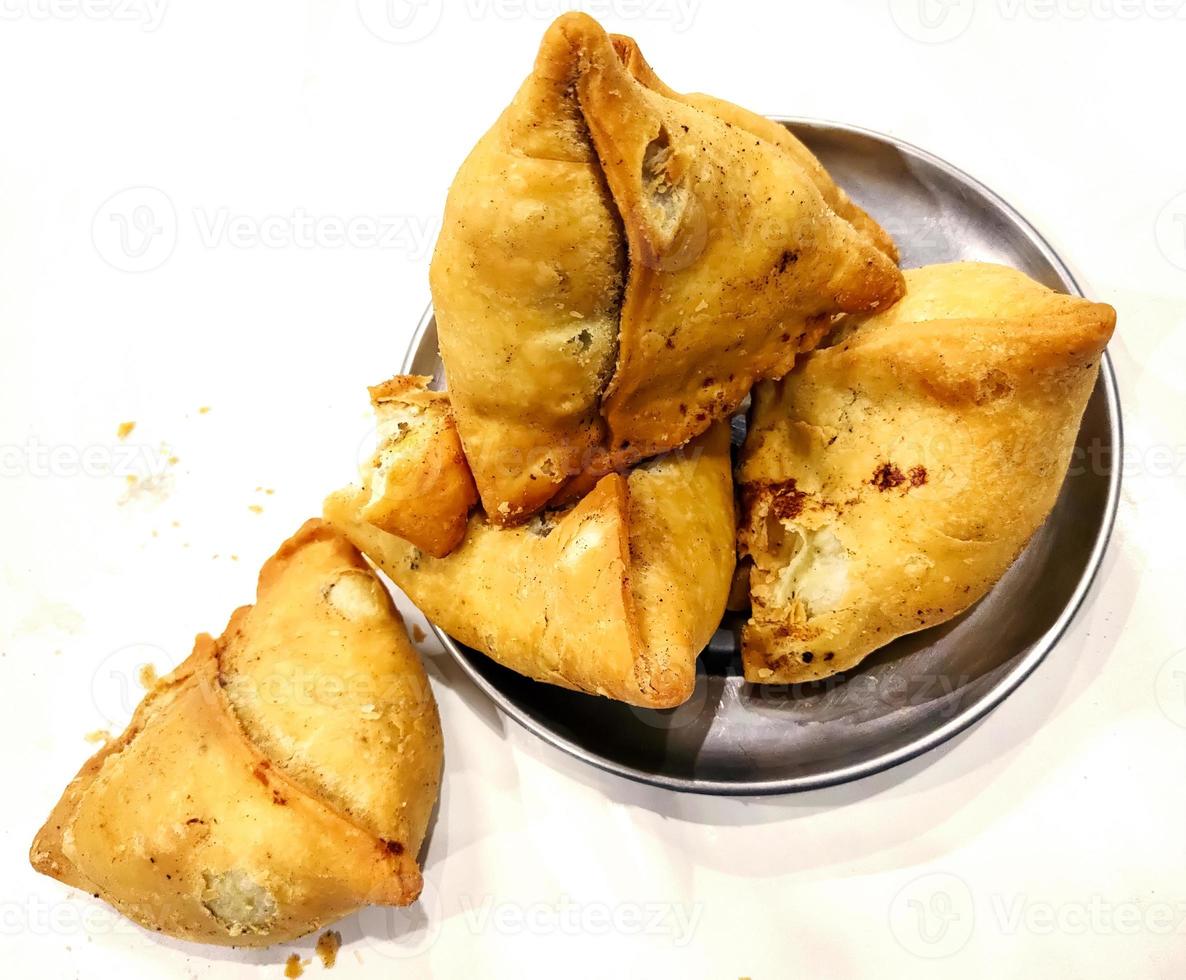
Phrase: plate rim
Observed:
(968, 716)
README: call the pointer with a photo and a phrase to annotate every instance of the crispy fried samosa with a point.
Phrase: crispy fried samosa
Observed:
(419, 481)
(892, 478)
(616, 596)
(280, 778)
(617, 267)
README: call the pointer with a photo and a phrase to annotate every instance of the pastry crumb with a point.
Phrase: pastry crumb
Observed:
(98, 735)
(328, 944)
(255, 508)
(125, 429)
(417, 633)
(204, 410)
(293, 966)
(147, 676)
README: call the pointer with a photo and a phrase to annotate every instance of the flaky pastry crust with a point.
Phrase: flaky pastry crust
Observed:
(280, 778)
(616, 596)
(892, 478)
(618, 265)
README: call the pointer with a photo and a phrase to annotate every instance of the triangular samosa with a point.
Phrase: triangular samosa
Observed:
(891, 479)
(280, 778)
(616, 596)
(617, 267)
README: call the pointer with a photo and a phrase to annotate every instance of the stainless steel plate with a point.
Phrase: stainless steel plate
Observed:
(737, 738)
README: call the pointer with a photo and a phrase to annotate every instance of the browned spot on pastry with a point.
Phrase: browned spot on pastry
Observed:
(788, 258)
(787, 501)
(393, 847)
(887, 476)
(918, 476)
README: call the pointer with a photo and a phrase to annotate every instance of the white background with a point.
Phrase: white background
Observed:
(1049, 840)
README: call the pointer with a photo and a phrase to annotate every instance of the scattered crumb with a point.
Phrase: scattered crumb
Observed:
(57, 653)
(176, 524)
(174, 460)
(125, 429)
(255, 508)
(234, 557)
(147, 676)
(292, 966)
(98, 735)
(204, 409)
(156, 534)
(269, 491)
(328, 944)
(417, 633)
(155, 487)
(214, 557)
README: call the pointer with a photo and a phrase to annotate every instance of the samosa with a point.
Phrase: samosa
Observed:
(894, 476)
(615, 596)
(280, 778)
(618, 266)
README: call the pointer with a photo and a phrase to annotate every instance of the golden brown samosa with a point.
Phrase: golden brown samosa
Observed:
(280, 778)
(616, 596)
(891, 479)
(617, 267)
